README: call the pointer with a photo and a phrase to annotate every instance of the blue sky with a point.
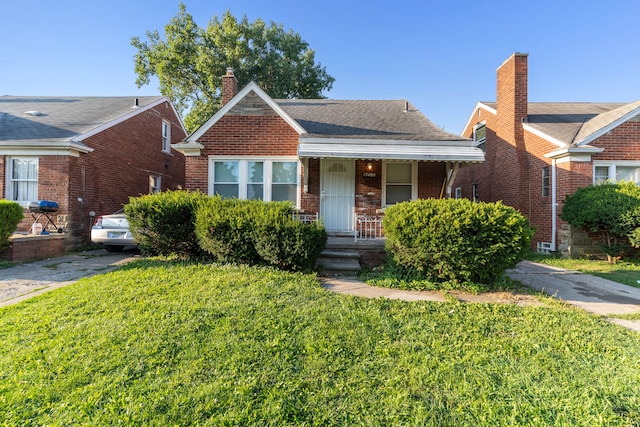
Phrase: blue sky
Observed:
(440, 55)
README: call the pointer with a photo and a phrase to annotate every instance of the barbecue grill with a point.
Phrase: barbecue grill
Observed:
(42, 208)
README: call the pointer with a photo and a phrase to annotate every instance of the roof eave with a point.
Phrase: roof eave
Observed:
(64, 148)
(605, 129)
(568, 151)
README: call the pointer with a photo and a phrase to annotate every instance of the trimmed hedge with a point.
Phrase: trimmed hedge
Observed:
(256, 232)
(164, 223)
(455, 241)
(10, 216)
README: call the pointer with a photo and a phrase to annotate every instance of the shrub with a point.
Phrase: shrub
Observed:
(455, 242)
(164, 223)
(10, 217)
(256, 232)
(612, 209)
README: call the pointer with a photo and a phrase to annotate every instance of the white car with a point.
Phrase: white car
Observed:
(112, 231)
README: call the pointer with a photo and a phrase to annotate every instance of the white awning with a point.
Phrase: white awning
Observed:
(425, 153)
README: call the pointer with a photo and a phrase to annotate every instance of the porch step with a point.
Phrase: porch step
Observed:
(332, 261)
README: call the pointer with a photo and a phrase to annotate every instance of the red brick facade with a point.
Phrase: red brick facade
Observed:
(124, 157)
(515, 158)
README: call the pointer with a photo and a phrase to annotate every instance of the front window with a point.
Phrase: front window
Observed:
(22, 179)
(398, 183)
(628, 171)
(259, 179)
(545, 181)
(166, 136)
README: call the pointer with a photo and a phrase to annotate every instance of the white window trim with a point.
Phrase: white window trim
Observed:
(166, 139)
(611, 165)
(475, 128)
(152, 178)
(414, 181)
(8, 182)
(267, 171)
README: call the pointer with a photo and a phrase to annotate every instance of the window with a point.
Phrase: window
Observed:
(22, 179)
(255, 179)
(398, 182)
(474, 193)
(166, 137)
(479, 133)
(458, 194)
(546, 181)
(154, 184)
(616, 171)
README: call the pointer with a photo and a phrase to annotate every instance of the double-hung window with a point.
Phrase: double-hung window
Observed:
(166, 136)
(22, 179)
(628, 171)
(155, 184)
(546, 181)
(399, 182)
(261, 179)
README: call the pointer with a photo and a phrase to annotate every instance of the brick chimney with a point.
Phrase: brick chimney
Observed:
(229, 86)
(512, 96)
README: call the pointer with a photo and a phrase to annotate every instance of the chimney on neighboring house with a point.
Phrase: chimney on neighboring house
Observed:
(512, 96)
(229, 86)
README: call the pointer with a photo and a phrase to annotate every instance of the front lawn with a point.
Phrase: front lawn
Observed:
(161, 343)
(624, 271)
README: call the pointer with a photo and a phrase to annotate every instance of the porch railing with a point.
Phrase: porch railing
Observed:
(367, 227)
(306, 218)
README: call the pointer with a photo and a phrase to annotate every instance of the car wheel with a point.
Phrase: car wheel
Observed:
(114, 248)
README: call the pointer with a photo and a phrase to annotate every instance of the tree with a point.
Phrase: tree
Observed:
(190, 62)
(611, 209)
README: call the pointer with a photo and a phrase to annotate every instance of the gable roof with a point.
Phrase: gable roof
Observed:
(52, 125)
(574, 124)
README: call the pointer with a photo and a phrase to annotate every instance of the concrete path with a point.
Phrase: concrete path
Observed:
(27, 280)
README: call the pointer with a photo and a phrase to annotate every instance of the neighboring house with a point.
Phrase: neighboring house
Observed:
(344, 160)
(88, 154)
(539, 152)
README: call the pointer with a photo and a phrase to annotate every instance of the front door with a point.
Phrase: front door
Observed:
(337, 193)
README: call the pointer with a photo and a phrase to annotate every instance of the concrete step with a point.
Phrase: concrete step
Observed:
(338, 261)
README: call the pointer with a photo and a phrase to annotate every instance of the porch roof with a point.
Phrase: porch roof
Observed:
(426, 151)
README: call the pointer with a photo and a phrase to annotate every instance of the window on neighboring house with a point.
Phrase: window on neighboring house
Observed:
(474, 193)
(22, 179)
(398, 182)
(154, 184)
(255, 179)
(166, 137)
(616, 171)
(458, 193)
(546, 181)
(479, 133)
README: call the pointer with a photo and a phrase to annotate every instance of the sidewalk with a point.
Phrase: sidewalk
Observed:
(27, 280)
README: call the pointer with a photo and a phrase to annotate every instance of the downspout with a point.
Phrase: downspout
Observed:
(554, 206)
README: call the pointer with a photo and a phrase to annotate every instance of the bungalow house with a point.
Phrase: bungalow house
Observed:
(539, 152)
(344, 161)
(87, 154)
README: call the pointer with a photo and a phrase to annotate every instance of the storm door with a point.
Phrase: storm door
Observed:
(337, 193)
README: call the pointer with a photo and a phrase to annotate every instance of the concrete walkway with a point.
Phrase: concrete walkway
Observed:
(592, 294)
(27, 280)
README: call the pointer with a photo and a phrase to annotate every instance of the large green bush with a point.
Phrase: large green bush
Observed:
(257, 232)
(611, 209)
(455, 241)
(10, 217)
(164, 223)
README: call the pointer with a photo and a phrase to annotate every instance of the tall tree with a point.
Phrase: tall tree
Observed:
(190, 61)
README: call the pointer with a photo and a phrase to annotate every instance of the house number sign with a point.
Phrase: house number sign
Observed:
(369, 174)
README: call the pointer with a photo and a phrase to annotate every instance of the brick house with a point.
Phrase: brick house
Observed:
(343, 160)
(88, 154)
(539, 152)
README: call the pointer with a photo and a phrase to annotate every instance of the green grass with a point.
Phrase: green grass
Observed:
(625, 272)
(6, 264)
(166, 343)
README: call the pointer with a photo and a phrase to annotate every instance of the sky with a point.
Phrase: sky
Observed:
(441, 56)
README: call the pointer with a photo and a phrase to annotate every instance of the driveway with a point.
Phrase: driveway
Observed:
(27, 280)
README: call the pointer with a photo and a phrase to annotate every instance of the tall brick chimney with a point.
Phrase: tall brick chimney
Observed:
(512, 96)
(229, 86)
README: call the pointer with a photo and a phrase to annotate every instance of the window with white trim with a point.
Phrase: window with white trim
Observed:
(546, 181)
(166, 136)
(22, 179)
(261, 179)
(623, 170)
(155, 184)
(479, 133)
(458, 193)
(399, 180)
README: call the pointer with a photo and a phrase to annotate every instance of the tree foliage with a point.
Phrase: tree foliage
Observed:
(611, 209)
(190, 61)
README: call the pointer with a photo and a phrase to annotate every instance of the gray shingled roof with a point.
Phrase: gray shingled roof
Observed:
(58, 119)
(354, 119)
(572, 122)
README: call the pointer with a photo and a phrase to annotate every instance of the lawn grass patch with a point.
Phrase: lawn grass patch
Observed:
(171, 343)
(6, 264)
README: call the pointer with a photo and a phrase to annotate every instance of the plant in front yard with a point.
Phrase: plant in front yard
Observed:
(10, 216)
(455, 243)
